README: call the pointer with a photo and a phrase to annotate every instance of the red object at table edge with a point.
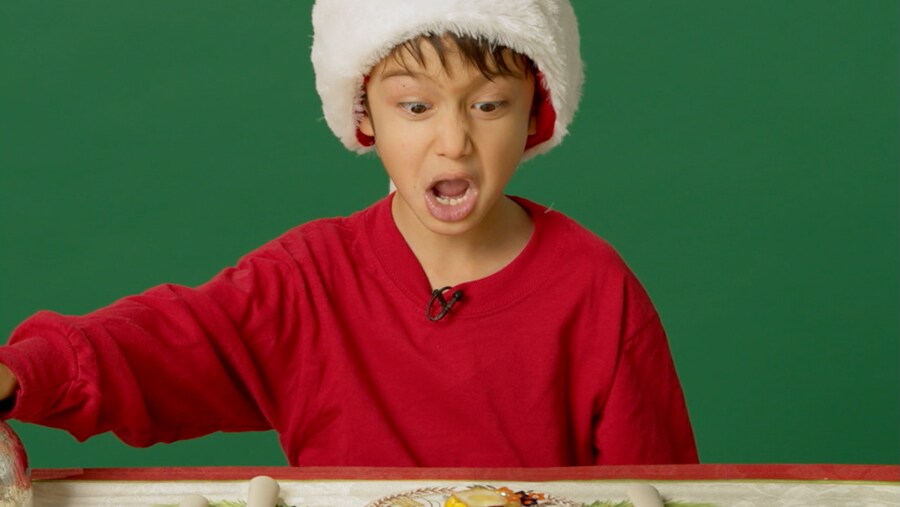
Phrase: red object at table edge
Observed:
(705, 472)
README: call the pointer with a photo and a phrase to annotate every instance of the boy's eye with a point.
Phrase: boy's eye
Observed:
(415, 108)
(488, 107)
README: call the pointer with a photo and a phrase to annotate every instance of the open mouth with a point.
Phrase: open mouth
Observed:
(451, 200)
(450, 192)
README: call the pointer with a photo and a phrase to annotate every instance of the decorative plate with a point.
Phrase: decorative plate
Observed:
(437, 497)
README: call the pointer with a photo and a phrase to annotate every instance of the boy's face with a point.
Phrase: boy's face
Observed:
(449, 137)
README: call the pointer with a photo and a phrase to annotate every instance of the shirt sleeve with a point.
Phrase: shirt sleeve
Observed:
(169, 364)
(644, 419)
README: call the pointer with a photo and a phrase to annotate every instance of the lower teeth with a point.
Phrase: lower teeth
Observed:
(449, 201)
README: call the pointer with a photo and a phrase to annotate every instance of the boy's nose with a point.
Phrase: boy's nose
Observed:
(452, 137)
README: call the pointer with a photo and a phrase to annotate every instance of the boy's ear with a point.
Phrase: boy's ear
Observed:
(365, 125)
(532, 124)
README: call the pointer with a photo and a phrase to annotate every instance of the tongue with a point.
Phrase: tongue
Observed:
(451, 188)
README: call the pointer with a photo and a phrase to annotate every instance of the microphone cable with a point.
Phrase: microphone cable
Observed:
(437, 296)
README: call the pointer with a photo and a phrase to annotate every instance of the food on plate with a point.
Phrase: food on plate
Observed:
(478, 497)
(488, 497)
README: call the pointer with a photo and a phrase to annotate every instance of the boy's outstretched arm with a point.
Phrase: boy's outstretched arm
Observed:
(169, 364)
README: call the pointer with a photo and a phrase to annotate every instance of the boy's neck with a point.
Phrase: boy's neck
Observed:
(449, 260)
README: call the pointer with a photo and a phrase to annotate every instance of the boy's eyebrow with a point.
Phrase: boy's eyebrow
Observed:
(401, 72)
(417, 75)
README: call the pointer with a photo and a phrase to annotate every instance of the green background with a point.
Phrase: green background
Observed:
(741, 155)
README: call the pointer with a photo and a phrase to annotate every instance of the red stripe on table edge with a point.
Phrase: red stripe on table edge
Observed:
(803, 472)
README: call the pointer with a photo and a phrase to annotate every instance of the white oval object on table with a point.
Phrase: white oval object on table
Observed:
(194, 501)
(644, 495)
(263, 492)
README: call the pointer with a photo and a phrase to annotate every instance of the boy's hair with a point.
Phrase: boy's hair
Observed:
(491, 60)
(350, 37)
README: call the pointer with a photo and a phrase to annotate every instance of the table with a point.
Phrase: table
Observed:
(720, 485)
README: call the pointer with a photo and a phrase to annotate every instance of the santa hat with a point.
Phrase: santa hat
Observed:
(351, 36)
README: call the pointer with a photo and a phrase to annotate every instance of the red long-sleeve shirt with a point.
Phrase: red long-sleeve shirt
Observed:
(322, 334)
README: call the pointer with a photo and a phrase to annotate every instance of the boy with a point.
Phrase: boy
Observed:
(446, 325)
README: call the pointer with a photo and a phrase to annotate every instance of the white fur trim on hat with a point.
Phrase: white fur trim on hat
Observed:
(351, 36)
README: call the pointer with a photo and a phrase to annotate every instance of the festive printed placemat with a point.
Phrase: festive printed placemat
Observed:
(404, 494)
(593, 487)
(472, 496)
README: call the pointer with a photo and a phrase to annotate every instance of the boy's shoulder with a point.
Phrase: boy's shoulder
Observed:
(338, 227)
(585, 263)
(321, 238)
(575, 241)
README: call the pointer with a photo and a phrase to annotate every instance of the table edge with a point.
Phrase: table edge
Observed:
(799, 472)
